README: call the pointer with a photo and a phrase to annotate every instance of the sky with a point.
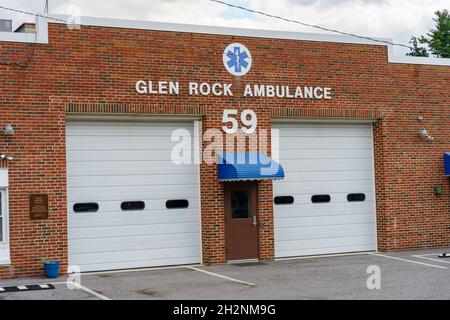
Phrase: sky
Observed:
(393, 19)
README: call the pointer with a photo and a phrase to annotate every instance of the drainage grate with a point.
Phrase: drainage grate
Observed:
(37, 287)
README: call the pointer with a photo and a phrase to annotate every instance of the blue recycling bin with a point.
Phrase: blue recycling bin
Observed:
(52, 269)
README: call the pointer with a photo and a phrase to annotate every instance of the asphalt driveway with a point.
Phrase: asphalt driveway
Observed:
(404, 275)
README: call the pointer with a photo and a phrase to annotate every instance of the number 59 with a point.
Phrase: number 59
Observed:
(248, 118)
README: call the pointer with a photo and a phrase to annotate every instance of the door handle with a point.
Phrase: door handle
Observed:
(254, 221)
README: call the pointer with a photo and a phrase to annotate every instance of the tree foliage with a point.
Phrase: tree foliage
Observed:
(437, 39)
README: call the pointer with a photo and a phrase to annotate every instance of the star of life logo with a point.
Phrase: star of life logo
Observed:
(237, 59)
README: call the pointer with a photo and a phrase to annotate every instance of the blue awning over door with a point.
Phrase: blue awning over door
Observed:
(248, 166)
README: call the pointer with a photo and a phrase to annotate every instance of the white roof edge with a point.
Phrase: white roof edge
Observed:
(416, 60)
(226, 31)
(42, 34)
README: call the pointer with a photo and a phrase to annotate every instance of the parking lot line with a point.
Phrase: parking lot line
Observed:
(92, 292)
(430, 254)
(85, 289)
(406, 260)
(221, 276)
(431, 259)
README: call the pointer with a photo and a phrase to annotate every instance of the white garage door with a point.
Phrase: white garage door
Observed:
(327, 200)
(120, 177)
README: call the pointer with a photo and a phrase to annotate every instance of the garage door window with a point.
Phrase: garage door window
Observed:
(177, 204)
(132, 205)
(284, 200)
(356, 197)
(322, 198)
(85, 207)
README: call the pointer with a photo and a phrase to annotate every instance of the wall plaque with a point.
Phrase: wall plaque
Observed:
(38, 206)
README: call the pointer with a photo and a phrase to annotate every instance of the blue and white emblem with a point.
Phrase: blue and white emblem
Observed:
(237, 59)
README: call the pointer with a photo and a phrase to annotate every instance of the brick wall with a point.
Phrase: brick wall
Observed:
(95, 70)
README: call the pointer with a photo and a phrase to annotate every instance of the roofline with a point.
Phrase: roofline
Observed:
(215, 30)
(42, 34)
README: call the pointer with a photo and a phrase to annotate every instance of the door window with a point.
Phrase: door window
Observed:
(240, 204)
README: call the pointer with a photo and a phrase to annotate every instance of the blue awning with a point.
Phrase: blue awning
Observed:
(248, 166)
(447, 163)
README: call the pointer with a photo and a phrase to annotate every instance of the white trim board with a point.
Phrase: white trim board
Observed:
(42, 34)
(4, 183)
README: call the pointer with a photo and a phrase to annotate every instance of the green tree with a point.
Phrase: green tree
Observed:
(417, 51)
(437, 39)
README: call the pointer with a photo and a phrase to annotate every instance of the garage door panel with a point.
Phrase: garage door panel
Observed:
(124, 128)
(138, 180)
(94, 143)
(138, 255)
(113, 162)
(126, 168)
(295, 154)
(326, 176)
(132, 230)
(327, 165)
(329, 130)
(111, 155)
(137, 192)
(147, 217)
(293, 252)
(321, 187)
(331, 242)
(303, 211)
(324, 220)
(325, 159)
(146, 242)
(331, 230)
(331, 143)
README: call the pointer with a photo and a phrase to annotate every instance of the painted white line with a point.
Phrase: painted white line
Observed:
(430, 254)
(410, 261)
(137, 270)
(221, 276)
(86, 289)
(2, 290)
(44, 286)
(326, 256)
(22, 288)
(431, 259)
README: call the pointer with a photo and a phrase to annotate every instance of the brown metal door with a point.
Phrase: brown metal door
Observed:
(241, 221)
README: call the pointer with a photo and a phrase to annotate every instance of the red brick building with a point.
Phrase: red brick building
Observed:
(89, 179)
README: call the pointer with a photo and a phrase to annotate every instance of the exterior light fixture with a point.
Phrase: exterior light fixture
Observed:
(5, 157)
(420, 118)
(9, 129)
(430, 138)
(424, 133)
